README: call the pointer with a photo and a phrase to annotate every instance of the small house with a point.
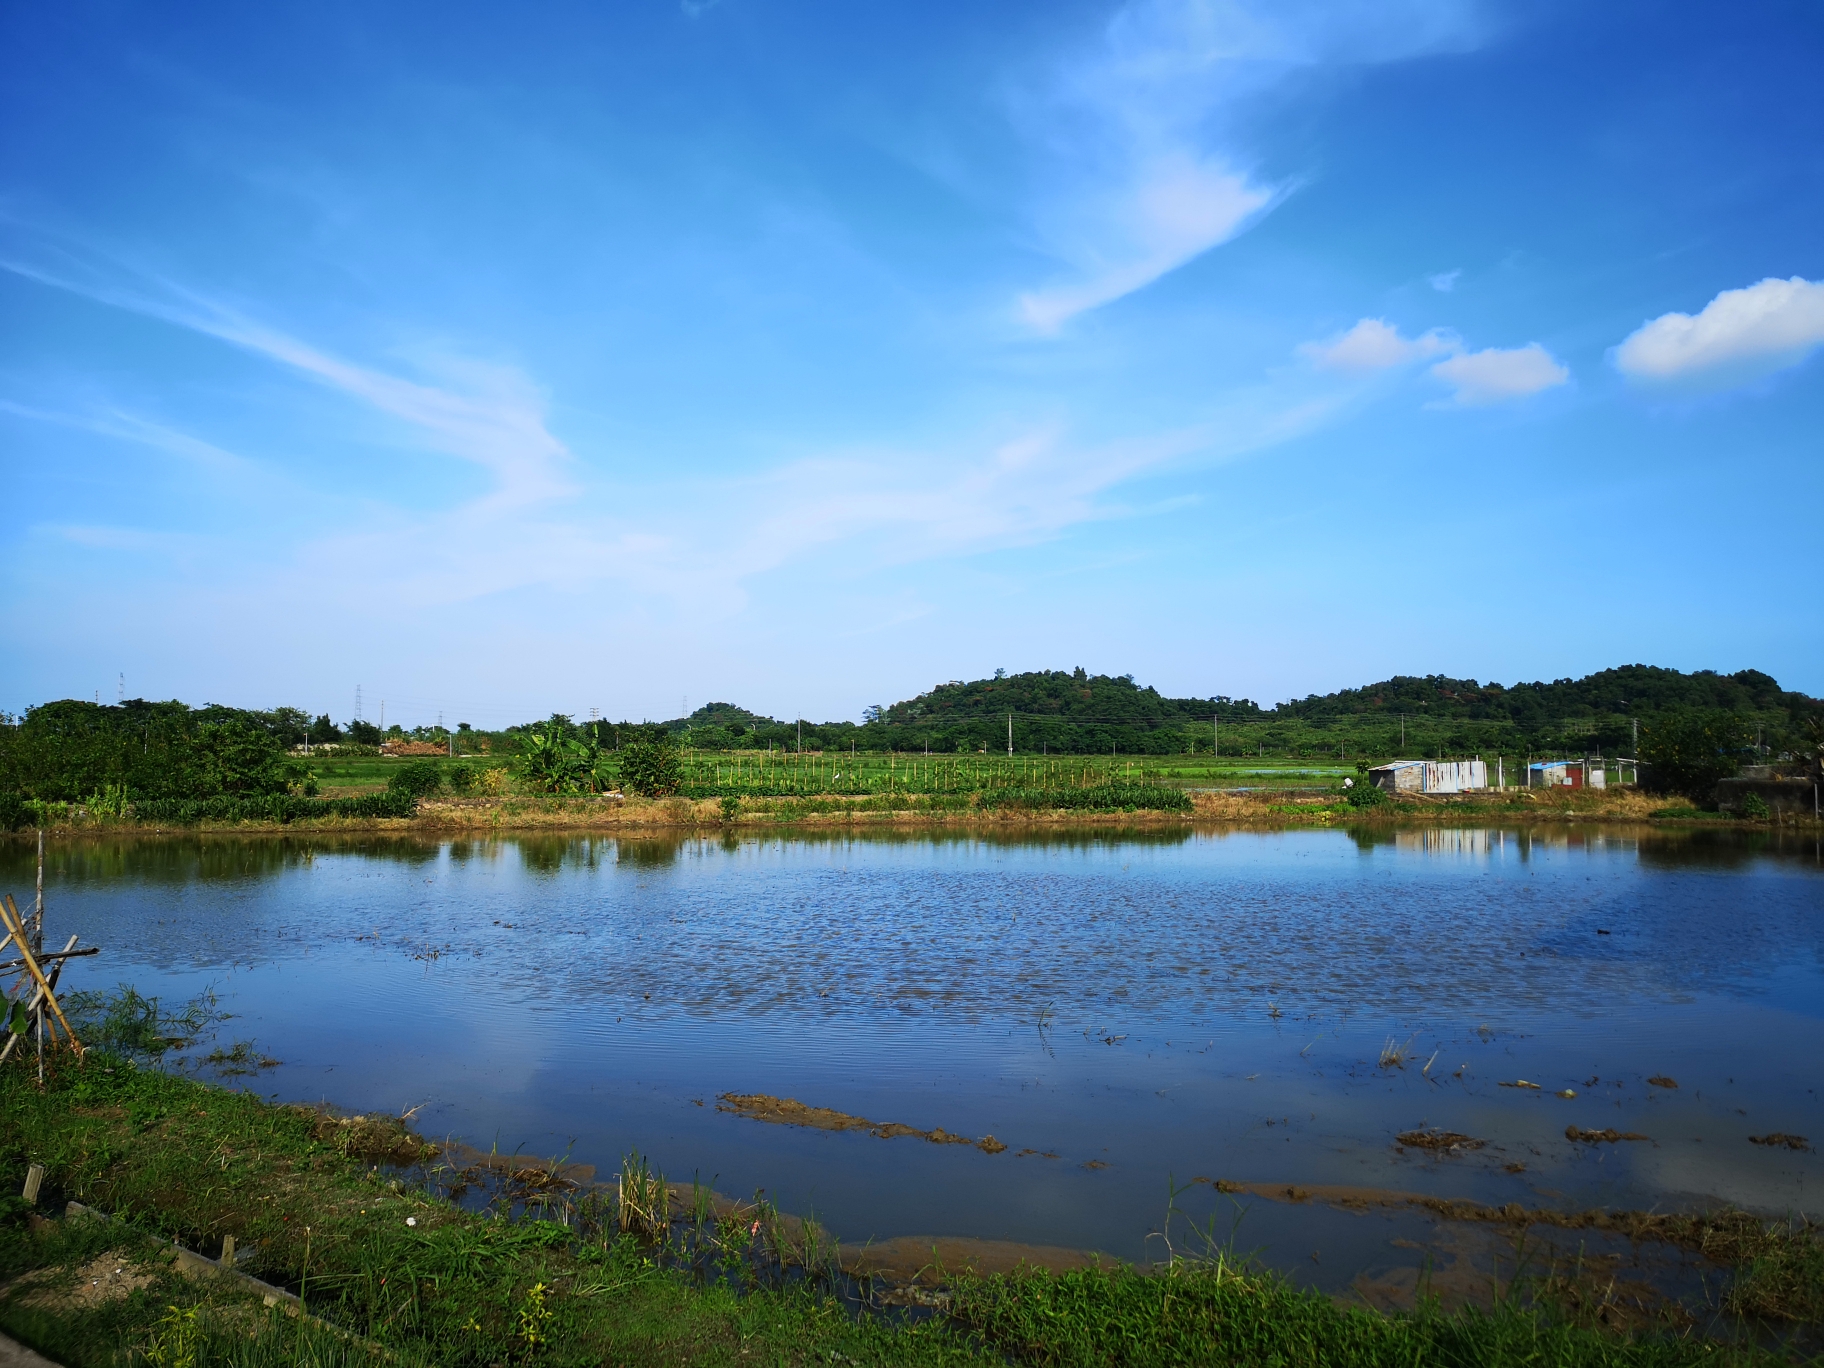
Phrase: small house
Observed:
(1572, 774)
(1430, 776)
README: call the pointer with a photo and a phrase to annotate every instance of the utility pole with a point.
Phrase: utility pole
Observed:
(1010, 736)
(1216, 736)
(357, 702)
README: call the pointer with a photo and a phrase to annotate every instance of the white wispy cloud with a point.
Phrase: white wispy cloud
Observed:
(1739, 335)
(128, 427)
(549, 521)
(1374, 344)
(1142, 169)
(1496, 375)
(483, 413)
(1445, 281)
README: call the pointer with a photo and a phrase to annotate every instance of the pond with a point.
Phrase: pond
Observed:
(1124, 1012)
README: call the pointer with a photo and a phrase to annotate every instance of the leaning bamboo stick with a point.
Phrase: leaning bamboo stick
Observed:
(32, 968)
(46, 959)
(37, 997)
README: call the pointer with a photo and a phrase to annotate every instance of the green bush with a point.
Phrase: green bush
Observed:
(13, 812)
(420, 778)
(278, 807)
(649, 766)
(1366, 794)
(460, 778)
(1754, 808)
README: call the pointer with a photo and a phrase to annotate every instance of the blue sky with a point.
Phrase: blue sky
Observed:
(806, 355)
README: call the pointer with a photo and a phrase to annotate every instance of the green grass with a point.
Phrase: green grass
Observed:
(311, 1200)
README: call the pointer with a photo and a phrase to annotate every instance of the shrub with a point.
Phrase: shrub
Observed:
(13, 812)
(416, 777)
(649, 766)
(461, 778)
(1366, 794)
(277, 807)
(1754, 808)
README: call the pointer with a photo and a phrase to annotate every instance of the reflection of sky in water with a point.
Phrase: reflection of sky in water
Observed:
(588, 990)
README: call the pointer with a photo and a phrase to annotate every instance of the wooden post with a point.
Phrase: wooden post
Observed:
(34, 1179)
(38, 905)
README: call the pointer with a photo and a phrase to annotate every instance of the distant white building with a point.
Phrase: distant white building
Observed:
(1430, 776)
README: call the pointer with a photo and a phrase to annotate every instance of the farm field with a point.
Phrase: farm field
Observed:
(813, 772)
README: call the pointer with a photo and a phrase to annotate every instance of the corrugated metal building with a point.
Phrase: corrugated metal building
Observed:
(1573, 774)
(1430, 776)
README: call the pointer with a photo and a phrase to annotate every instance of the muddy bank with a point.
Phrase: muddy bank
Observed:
(786, 1111)
(1262, 808)
(1726, 1235)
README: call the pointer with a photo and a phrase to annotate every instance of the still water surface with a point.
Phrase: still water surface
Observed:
(1146, 1008)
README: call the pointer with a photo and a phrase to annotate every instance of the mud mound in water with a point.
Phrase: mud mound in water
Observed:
(788, 1111)
(1601, 1137)
(1443, 1141)
(1796, 1142)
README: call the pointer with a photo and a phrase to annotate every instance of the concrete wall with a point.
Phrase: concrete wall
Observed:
(1781, 795)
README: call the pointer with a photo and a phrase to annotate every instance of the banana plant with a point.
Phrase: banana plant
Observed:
(551, 762)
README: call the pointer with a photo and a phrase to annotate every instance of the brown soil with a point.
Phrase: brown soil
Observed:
(1661, 1081)
(1778, 1138)
(787, 1111)
(108, 1277)
(930, 1259)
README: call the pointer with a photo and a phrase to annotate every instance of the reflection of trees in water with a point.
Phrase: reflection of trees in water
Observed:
(185, 859)
(550, 854)
(660, 853)
(1712, 848)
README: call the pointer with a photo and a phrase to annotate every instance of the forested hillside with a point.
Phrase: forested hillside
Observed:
(1072, 712)
(77, 751)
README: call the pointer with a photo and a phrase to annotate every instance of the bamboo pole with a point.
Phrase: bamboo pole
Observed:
(32, 968)
(38, 996)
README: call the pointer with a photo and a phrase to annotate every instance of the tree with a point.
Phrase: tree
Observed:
(649, 764)
(1689, 750)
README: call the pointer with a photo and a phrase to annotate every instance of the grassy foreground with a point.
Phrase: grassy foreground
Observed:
(400, 1276)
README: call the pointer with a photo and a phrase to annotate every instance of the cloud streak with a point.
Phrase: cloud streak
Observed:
(549, 521)
(1141, 167)
(488, 415)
